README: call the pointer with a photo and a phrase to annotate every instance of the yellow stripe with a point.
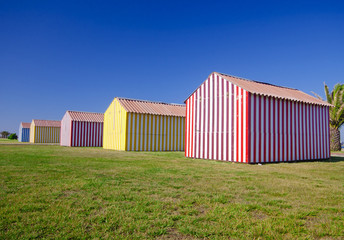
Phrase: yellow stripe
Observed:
(169, 135)
(164, 133)
(134, 130)
(158, 136)
(140, 132)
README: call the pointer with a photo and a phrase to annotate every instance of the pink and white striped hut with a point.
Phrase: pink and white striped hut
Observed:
(234, 119)
(82, 129)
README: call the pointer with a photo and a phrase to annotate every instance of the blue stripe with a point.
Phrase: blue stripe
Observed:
(24, 134)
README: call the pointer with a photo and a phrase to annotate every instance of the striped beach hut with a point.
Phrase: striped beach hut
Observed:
(45, 131)
(234, 119)
(138, 125)
(82, 129)
(24, 132)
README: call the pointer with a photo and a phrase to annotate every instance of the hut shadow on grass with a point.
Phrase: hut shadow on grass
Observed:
(334, 159)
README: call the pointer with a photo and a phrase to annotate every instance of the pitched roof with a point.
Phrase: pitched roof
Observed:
(46, 123)
(25, 125)
(266, 89)
(86, 116)
(154, 108)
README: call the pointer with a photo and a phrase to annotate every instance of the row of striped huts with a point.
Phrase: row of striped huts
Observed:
(226, 118)
(128, 124)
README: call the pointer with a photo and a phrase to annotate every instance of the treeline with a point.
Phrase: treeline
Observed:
(6, 134)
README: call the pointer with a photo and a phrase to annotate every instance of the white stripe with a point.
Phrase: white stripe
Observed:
(225, 120)
(239, 128)
(211, 99)
(215, 130)
(220, 130)
(202, 121)
(206, 99)
(252, 129)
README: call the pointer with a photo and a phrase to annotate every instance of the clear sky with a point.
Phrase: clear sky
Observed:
(79, 55)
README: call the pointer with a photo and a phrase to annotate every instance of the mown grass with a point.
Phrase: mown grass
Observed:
(60, 192)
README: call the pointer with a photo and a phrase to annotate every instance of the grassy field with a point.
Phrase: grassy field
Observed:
(60, 192)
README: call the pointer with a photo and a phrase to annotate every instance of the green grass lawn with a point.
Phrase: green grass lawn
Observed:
(6, 140)
(60, 192)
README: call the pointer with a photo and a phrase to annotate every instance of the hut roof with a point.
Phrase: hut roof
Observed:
(46, 123)
(154, 108)
(86, 116)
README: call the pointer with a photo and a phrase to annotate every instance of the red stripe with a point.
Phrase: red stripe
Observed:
(328, 131)
(316, 133)
(282, 129)
(237, 123)
(190, 126)
(86, 134)
(203, 133)
(301, 131)
(288, 113)
(209, 116)
(228, 133)
(248, 127)
(264, 128)
(242, 124)
(198, 135)
(101, 134)
(77, 135)
(223, 94)
(269, 129)
(212, 132)
(309, 132)
(187, 129)
(216, 151)
(83, 134)
(274, 129)
(298, 132)
(95, 134)
(307, 126)
(323, 131)
(232, 116)
(259, 129)
(254, 147)
(313, 133)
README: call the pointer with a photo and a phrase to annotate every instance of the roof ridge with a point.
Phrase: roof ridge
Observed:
(249, 80)
(157, 102)
(83, 112)
(46, 120)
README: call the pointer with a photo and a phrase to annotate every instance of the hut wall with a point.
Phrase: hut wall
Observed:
(225, 122)
(86, 134)
(148, 132)
(216, 121)
(66, 136)
(284, 130)
(45, 135)
(115, 125)
(24, 134)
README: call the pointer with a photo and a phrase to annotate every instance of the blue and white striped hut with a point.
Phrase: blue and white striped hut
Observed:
(24, 132)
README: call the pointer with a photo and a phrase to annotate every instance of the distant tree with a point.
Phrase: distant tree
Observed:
(336, 98)
(13, 136)
(4, 134)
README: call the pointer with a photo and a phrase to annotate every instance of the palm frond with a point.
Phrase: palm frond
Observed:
(318, 96)
(328, 95)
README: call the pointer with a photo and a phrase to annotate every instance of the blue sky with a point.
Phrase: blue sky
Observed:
(79, 55)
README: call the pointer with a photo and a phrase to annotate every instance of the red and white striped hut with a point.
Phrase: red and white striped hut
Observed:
(234, 119)
(82, 129)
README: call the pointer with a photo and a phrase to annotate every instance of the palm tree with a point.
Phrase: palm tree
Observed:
(336, 98)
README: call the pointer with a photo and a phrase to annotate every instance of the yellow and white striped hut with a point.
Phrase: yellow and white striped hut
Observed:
(45, 131)
(139, 125)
